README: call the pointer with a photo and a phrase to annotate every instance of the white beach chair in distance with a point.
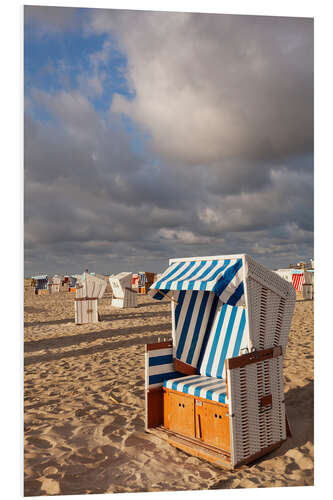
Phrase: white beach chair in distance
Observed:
(216, 390)
(88, 292)
(122, 293)
(54, 284)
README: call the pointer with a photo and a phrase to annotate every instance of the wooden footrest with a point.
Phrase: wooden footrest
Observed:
(193, 446)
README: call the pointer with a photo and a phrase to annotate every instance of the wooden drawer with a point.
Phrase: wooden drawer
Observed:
(212, 424)
(179, 413)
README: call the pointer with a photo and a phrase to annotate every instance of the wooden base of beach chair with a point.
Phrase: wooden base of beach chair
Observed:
(207, 421)
(193, 446)
(42, 292)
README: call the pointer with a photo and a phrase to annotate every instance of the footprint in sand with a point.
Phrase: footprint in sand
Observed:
(39, 443)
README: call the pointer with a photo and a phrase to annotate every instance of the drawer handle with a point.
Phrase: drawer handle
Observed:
(199, 427)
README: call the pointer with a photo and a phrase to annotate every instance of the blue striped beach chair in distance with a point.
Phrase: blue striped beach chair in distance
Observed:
(216, 389)
(41, 284)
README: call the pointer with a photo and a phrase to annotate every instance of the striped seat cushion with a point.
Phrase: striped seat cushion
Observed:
(210, 388)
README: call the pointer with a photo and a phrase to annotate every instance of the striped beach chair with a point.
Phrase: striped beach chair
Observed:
(145, 281)
(216, 389)
(41, 284)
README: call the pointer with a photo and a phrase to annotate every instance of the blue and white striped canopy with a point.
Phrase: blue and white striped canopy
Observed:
(223, 277)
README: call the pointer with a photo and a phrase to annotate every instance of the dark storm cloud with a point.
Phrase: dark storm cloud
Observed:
(218, 86)
(226, 104)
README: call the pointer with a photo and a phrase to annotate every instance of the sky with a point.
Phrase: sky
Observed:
(151, 135)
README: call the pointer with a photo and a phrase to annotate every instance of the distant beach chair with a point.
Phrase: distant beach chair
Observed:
(308, 285)
(216, 390)
(72, 282)
(145, 281)
(122, 293)
(54, 284)
(135, 280)
(41, 284)
(88, 292)
(298, 279)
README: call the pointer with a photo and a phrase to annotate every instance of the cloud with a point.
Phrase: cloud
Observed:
(214, 87)
(51, 20)
(222, 108)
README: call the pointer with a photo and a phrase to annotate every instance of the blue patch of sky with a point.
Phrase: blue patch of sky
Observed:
(55, 62)
(137, 137)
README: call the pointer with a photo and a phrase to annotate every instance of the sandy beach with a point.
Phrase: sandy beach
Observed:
(84, 405)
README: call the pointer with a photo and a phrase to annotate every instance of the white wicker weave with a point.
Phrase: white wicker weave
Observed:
(123, 295)
(86, 311)
(91, 287)
(270, 304)
(253, 428)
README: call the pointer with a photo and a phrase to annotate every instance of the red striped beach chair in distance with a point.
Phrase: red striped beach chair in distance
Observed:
(122, 293)
(89, 290)
(216, 389)
(298, 280)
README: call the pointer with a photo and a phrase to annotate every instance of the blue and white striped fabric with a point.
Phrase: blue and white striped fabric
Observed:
(223, 277)
(194, 315)
(226, 339)
(72, 281)
(41, 282)
(142, 279)
(159, 367)
(210, 388)
(207, 331)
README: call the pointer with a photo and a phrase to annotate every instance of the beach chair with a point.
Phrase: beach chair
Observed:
(88, 292)
(135, 280)
(122, 293)
(41, 284)
(216, 389)
(308, 285)
(145, 281)
(54, 284)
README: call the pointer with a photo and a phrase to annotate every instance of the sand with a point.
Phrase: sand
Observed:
(84, 405)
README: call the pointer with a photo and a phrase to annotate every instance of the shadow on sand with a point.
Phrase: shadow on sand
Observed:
(72, 340)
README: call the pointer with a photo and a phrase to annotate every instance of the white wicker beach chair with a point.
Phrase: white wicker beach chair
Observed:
(216, 389)
(122, 293)
(88, 292)
(54, 284)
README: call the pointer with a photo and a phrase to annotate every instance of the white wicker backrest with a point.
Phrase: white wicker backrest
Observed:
(92, 287)
(254, 428)
(270, 304)
(119, 282)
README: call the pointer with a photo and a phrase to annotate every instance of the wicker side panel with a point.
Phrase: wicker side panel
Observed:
(130, 298)
(269, 315)
(267, 278)
(254, 426)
